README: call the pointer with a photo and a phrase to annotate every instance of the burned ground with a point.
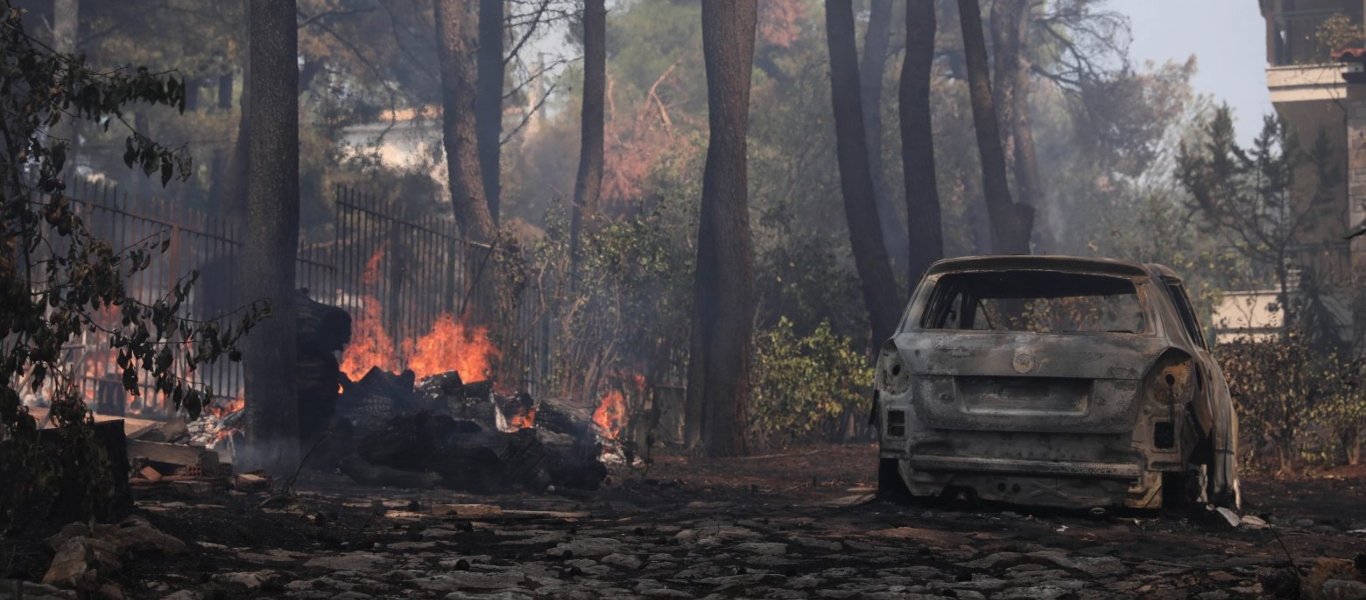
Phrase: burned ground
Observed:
(795, 525)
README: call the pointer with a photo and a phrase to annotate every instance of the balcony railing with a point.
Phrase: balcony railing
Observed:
(1295, 36)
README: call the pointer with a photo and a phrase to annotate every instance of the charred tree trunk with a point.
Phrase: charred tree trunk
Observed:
(872, 68)
(471, 207)
(1011, 223)
(724, 302)
(917, 142)
(856, 178)
(1009, 19)
(588, 183)
(488, 104)
(232, 200)
(272, 235)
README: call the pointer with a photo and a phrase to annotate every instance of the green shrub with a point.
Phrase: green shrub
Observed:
(807, 388)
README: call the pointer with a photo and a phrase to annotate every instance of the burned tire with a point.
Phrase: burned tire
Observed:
(890, 486)
(1184, 490)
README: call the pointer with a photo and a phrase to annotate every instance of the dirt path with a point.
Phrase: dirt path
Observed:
(798, 525)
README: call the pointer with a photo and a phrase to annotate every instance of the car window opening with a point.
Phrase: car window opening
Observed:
(1036, 301)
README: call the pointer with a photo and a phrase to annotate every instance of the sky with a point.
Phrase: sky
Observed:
(1227, 38)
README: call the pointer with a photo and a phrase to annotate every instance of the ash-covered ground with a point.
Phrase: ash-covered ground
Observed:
(801, 524)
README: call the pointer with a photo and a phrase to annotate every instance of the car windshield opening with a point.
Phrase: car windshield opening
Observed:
(1036, 301)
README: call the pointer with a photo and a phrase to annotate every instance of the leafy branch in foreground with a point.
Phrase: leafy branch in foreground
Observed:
(59, 281)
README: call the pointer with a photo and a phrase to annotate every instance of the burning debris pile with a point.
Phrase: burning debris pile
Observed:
(463, 436)
(427, 412)
(437, 417)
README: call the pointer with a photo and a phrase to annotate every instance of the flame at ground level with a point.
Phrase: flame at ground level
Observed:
(448, 346)
(370, 344)
(452, 346)
(610, 416)
(523, 420)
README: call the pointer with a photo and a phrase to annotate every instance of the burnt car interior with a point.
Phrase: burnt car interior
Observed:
(1038, 302)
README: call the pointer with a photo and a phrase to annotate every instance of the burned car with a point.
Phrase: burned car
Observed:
(1054, 381)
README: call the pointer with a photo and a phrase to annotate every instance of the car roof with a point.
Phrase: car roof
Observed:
(1045, 262)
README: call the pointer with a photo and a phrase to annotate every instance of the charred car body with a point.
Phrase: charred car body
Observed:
(1054, 381)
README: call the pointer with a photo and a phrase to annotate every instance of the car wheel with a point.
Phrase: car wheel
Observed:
(1224, 486)
(890, 486)
(1186, 489)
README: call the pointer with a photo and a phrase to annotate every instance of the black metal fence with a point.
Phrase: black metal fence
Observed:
(197, 242)
(385, 260)
(409, 270)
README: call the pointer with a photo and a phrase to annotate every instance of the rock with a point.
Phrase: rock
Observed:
(1095, 566)
(585, 547)
(14, 588)
(1344, 589)
(1253, 522)
(184, 595)
(1326, 569)
(816, 543)
(137, 536)
(411, 546)
(980, 583)
(763, 548)
(1046, 591)
(248, 581)
(623, 561)
(993, 560)
(81, 563)
(467, 580)
(355, 561)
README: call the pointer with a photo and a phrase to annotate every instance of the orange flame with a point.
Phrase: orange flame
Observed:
(448, 346)
(610, 415)
(523, 420)
(452, 346)
(370, 344)
(232, 406)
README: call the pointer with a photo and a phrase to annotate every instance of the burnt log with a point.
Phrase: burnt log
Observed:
(469, 456)
(473, 401)
(566, 419)
(376, 397)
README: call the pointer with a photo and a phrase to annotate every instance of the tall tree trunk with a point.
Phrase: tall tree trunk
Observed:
(1010, 94)
(272, 235)
(588, 183)
(856, 179)
(1005, 55)
(871, 70)
(724, 303)
(917, 141)
(455, 49)
(488, 104)
(1010, 222)
(231, 201)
